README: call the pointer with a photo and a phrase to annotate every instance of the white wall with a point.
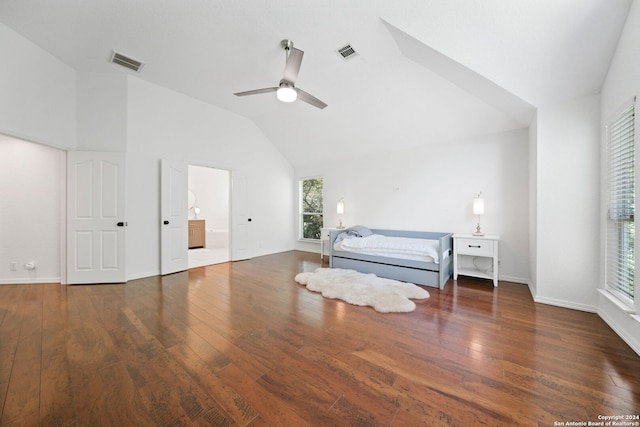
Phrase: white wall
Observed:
(38, 93)
(621, 85)
(31, 193)
(37, 103)
(567, 208)
(623, 79)
(432, 187)
(165, 124)
(41, 102)
(102, 112)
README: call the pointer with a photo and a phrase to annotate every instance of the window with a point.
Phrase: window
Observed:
(310, 208)
(620, 264)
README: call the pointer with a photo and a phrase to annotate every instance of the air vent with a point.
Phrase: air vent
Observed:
(125, 61)
(347, 52)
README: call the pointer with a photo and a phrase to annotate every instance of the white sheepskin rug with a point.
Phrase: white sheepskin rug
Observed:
(384, 295)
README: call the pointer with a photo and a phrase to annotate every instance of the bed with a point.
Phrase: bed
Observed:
(433, 270)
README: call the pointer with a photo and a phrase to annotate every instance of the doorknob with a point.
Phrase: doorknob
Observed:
(165, 222)
(121, 224)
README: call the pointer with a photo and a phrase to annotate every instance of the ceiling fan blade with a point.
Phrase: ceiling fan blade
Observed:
(256, 91)
(294, 60)
(310, 99)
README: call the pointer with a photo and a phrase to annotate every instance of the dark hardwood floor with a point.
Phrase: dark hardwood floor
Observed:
(243, 344)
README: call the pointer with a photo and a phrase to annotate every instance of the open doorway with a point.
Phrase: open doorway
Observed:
(32, 212)
(209, 215)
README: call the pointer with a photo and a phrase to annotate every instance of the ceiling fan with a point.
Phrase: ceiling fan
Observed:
(286, 90)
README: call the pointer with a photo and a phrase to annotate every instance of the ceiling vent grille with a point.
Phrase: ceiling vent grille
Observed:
(125, 61)
(347, 52)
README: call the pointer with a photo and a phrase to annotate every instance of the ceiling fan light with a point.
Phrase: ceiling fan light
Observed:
(286, 94)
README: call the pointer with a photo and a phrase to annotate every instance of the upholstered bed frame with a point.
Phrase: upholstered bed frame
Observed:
(418, 272)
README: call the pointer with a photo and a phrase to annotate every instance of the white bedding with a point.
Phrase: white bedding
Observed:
(394, 247)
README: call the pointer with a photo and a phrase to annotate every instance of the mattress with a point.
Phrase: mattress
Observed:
(392, 247)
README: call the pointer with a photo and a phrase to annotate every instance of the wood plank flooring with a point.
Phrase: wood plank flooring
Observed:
(242, 344)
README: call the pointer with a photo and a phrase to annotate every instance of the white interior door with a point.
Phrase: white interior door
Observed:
(240, 219)
(174, 232)
(96, 225)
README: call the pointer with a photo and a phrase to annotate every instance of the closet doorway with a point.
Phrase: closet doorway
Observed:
(209, 215)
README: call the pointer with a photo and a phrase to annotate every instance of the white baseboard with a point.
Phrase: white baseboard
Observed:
(622, 333)
(514, 279)
(532, 290)
(620, 319)
(566, 304)
(558, 302)
(26, 281)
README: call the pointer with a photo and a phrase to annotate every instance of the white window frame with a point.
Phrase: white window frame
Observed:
(633, 304)
(301, 213)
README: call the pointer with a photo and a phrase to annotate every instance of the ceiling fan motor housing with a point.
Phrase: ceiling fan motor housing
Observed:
(286, 44)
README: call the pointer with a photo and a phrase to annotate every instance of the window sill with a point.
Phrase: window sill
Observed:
(309, 240)
(622, 306)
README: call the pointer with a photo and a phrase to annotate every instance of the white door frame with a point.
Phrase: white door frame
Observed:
(63, 221)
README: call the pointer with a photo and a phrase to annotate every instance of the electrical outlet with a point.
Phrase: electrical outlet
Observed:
(12, 265)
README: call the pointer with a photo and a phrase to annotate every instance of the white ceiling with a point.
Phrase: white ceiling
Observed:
(428, 71)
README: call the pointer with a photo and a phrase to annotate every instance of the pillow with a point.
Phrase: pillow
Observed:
(359, 231)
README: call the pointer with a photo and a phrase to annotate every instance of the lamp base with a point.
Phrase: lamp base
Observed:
(340, 226)
(478, 232)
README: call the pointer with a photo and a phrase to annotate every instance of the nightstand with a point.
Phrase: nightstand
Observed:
(467, 249)
(325, 234)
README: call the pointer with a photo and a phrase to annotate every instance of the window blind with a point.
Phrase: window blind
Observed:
(620, 263)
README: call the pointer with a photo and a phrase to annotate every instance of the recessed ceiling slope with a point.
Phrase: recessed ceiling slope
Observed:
(543, 51)
(463, 77)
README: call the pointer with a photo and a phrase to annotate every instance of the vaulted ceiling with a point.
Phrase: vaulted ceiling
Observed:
(426, 71)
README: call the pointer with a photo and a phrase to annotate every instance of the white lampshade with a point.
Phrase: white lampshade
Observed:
(478, 206)
(286, 93)
(340, 207)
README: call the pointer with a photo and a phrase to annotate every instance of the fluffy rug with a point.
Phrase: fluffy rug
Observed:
(384, 295)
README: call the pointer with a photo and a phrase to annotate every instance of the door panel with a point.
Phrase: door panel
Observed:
(174, 230)
(95, 205)
(240, 219)
(110, 241)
